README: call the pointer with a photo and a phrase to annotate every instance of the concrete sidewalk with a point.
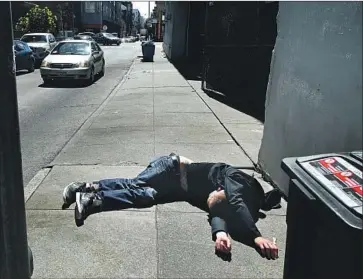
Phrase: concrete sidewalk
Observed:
(153, 112)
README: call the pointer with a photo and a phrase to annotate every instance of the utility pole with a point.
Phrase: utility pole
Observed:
(14, 262)
(73, 17)
(148, 9)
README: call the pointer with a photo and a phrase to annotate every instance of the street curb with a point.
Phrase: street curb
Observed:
(35, 182)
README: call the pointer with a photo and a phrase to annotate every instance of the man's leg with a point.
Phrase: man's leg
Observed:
(111, 200)
(142, 180)
(69, 192)
(160, 174)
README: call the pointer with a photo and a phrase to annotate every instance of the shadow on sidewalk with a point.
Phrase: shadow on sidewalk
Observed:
(252, 104)
(256, 111)
(190, 70)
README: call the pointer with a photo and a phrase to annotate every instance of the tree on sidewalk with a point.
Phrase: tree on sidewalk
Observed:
(37, 20)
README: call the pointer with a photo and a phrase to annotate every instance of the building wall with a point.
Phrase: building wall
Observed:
(175, 29)
(92, 14)
(168, 29)
(314, 96)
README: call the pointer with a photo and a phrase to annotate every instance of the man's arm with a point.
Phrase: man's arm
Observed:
(217, 225)
(245, 224)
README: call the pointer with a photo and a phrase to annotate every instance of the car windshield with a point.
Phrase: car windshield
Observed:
(72, 48)
(82, 37)
(109, 35)
(34, 39)
(85, 34)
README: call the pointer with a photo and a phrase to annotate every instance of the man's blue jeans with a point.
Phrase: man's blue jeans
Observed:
(158, 183)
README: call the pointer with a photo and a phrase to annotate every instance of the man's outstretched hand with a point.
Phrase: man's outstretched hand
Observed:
(266, 248)
(223, 246)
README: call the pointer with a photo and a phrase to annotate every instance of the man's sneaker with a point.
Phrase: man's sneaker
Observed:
(86, 204)
(69, 192)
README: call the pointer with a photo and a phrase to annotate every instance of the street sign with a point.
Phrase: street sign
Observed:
(104, 27)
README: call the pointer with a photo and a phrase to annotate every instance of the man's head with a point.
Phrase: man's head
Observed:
(216, 197)
(217, 201)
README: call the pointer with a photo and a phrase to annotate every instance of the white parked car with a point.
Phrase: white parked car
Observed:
(76, 60)
(40, 43)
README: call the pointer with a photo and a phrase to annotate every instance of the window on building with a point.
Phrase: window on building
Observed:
(89, 7)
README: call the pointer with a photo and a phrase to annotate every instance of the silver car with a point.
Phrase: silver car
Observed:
(40, 43)
(76, 59)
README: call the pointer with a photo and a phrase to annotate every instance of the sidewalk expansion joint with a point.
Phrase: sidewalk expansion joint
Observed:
(122, 164)
(72, 209)
(35, 182)
(156, 207)
(80, 106)
(182, 212)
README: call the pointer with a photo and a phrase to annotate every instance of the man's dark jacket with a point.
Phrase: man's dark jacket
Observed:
(244, 196)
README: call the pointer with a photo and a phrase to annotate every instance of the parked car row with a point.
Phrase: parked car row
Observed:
(130, 39)
(79, 58)
(103, 38)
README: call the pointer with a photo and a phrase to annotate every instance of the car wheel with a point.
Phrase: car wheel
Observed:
(47, 81)
(38, 63)
(92, 76)
(32, 66)
(102, 73)
(118, 44)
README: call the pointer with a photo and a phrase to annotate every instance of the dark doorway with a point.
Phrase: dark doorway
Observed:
(239, 39)
(191, 66)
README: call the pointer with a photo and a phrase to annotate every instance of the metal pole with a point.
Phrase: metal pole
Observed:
(73, 17)
(148, 10)
(13, 236)
(101, 3)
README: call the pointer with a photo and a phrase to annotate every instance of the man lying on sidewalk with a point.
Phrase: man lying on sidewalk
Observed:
(232, 198)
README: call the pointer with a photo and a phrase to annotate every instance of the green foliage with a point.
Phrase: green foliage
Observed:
(22, 24)
(37, 20)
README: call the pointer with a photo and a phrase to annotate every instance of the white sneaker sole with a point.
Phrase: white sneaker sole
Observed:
(78, 211)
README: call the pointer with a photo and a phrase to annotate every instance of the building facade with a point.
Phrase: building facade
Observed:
(87, 15)
(99, 15)
(136, 20)
(159, 15)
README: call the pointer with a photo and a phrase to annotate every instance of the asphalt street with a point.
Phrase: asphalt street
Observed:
(50, 116)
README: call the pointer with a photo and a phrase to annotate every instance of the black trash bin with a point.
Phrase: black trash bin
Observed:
(324, 217)
(148, 51)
